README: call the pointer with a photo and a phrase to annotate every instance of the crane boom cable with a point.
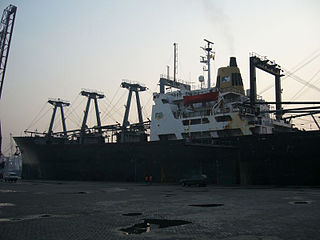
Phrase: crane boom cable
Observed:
(35, 118)
(44, 114)
(74, 100)
(74, 114)
(124, 93)
(298, 93)
(75, 108)
(294, 71)
(105, 115)
(300, 80)
(115, 110)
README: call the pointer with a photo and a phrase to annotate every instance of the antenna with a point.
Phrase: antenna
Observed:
(208, 41)
(206, 59)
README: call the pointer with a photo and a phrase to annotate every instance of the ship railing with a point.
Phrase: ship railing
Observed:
(35, 133)
(133, 82)
(254, 54)
(177, 79)
(144, 125)
(70, 134)
(91, 91)
(262, 58)
(59, 100)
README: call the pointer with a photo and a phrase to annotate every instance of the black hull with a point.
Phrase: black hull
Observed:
(281, 159)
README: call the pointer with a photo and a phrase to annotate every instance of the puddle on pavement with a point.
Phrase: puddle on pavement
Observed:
(150, 224)
(115, 189)
(195, 190)
(7, 191)
(7, 204)
(5, 220)
(207, 205)
(131, 214)
(80, 192)
(300, 202)
(41, 193)
(32, 217)
(170, 195)
(45, 182)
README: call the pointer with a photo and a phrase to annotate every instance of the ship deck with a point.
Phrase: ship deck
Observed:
(101, 210)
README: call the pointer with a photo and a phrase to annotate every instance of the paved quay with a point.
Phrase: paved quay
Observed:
(100, 210)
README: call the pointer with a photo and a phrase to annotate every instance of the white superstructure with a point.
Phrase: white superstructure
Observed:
(215, 112)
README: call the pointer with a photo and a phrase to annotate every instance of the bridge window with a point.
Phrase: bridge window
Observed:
(225, 118)
(195, 121)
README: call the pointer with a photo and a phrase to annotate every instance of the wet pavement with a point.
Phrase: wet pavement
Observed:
(99, 210)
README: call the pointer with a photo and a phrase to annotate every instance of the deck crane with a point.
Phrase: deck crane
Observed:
(6, 29)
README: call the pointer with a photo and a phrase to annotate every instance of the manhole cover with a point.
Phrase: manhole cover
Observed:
(207, 205)
(149, 224)
(131, 214)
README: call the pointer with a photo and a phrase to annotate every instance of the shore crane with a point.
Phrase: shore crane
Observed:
(6, 30)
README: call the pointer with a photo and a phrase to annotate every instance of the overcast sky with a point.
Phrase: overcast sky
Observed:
(61, 46)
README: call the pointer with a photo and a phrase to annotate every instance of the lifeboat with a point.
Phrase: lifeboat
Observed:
(206, 97)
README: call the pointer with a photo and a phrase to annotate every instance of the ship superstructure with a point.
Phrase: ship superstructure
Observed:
(212, 112)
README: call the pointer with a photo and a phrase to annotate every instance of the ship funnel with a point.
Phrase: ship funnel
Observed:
(229, 78)
(233, 62)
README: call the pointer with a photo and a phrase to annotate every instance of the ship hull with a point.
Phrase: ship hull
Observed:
(284, 159)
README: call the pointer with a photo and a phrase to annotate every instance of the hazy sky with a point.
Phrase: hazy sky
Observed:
(62, 46)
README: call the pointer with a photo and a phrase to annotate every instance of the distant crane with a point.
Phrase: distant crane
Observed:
(6, 29)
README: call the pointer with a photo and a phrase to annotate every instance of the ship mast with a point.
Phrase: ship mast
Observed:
(91, 95)
(175, 61)
(132, 87)
(206, 59)
(58, 103)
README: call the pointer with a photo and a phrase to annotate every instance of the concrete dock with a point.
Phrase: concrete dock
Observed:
(100, 210)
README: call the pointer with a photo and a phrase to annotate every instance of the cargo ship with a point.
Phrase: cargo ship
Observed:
(229, 134)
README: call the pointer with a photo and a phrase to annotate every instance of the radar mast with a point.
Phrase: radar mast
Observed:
(206, 59)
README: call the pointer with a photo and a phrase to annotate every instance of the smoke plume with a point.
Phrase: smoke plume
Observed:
(220, 22)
